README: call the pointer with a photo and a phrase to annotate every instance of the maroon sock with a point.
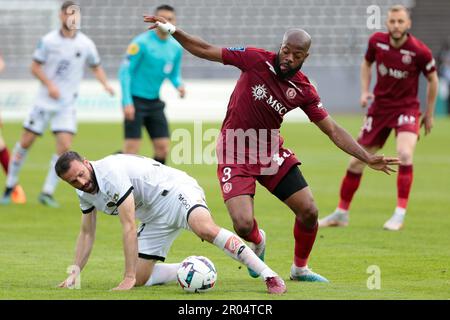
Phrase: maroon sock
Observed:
(254, 235)
(304, 241)
(4, 159)
(404, 182)
(349, 185)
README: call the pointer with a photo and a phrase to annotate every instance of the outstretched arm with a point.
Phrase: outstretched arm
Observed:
(195, 45)
(345, 141)
(85, 243)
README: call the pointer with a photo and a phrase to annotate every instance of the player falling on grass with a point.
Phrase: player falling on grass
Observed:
(164, 199)
(400, 58)
(58, 62)
(17, 195)
(270, 85)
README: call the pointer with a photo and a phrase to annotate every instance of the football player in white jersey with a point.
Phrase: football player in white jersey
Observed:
(165, 200)
(58, 62)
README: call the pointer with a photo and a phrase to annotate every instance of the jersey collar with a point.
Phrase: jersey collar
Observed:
(64, 37)
(95, 178)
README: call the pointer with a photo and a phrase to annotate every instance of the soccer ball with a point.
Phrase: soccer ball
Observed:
(197, 274)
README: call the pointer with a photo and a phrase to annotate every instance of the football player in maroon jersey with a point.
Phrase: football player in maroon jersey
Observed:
(271, 84)
(400, 59)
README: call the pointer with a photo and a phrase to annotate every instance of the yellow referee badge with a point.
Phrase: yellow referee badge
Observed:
(133, 49)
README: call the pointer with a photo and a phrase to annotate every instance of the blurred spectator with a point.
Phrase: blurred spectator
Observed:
(2, 64)
(444, 68)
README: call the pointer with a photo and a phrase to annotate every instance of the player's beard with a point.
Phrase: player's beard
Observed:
(64, 26)
(397, 39)
(288, 74)
(92, 187)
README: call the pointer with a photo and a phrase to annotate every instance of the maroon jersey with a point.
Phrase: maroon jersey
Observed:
(398, 71)
(261, 99)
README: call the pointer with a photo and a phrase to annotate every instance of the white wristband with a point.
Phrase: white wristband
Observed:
(166, 27)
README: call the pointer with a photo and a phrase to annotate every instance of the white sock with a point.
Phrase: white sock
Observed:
(15, 164)
(163, 273)
(400, 211)
(299, 270)
(234, 247)
(52, 178)
(260, 246)
(341, 211)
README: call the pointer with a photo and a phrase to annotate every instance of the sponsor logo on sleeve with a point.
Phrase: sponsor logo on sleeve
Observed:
(236, 49)
(430, 65)
(133, 49)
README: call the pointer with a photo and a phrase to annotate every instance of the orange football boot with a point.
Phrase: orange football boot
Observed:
(18, 195)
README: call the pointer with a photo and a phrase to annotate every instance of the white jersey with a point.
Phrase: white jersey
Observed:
(150, 182)
(63, 61)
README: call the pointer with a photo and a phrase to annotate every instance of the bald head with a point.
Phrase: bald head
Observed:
(298, 38)
(293, 52)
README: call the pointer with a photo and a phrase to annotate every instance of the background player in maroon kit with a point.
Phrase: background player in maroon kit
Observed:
(270, 86)
(400, 59)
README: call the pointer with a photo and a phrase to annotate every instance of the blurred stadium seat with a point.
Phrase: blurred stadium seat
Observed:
(337, 27)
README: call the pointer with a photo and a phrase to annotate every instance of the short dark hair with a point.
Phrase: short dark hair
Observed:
(398, 8)
(165, 7)
(64, 161)
(67, 4)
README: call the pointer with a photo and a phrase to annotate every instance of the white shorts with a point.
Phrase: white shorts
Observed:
(155, 237)
(61, 120)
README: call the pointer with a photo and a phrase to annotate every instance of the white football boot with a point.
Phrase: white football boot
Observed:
(395, 223)
(336, 219)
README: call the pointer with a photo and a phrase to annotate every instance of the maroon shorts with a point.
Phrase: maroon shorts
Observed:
(240, 179)
(377, 127)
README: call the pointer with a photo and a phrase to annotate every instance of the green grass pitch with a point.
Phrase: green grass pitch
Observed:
(37, 243)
